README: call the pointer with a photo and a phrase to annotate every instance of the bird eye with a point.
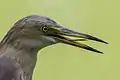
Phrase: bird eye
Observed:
(44, 29)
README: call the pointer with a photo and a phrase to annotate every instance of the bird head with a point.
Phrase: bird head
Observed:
(40, 31)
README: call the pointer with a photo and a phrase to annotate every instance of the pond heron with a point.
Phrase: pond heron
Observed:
(19, 48)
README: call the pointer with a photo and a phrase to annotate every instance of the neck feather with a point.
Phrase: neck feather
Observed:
(23, 52)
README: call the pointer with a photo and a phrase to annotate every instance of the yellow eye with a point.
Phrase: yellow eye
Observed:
(44, 29)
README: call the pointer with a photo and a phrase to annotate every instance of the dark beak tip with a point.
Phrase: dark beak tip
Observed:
(101, 52)
(106, 43)
(103, 42)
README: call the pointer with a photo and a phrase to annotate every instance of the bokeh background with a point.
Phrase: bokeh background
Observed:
(100, 18)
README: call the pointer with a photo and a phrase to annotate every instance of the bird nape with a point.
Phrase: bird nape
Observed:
(19, 48)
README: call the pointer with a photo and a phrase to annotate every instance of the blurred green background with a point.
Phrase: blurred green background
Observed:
(100, 18)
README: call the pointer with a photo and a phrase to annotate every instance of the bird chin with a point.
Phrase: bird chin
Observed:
(48, 39)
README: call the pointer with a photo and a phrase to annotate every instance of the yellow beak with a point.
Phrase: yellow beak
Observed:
(62, 35)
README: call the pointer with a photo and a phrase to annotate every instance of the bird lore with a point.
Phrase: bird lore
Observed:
(19, 48)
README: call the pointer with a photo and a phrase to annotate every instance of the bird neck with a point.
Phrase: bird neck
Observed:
(23, 44)
(23, 53)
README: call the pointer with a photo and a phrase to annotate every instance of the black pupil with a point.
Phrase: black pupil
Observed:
(44, 29)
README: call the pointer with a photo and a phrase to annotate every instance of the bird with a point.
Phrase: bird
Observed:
(21, 44)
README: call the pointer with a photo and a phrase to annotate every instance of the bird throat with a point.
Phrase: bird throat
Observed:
(23, 52)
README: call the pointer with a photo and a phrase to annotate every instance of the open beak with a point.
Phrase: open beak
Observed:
(63, 34)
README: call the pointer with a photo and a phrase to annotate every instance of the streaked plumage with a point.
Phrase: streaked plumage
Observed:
(19, 48)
